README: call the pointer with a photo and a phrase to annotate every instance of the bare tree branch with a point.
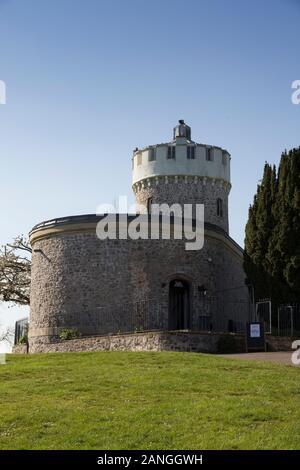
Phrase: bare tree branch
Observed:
(15, 271)
(20, 243)
(7, 335)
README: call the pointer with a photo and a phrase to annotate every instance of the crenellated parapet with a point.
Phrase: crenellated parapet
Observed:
(184, 172)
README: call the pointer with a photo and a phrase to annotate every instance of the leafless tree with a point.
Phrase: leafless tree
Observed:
(15, 270)
(7, 335)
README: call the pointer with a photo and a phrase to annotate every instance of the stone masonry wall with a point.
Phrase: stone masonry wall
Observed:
(19, 349)
(186, 190)
(151, 341)
(279, 343)
(79, 281)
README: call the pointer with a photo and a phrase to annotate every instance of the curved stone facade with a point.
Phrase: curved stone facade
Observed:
(123, 285)
(79, 281)
(186, 190)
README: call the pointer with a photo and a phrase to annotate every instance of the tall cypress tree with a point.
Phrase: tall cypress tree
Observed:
(258, 231)
(291, 271)
(272, 242)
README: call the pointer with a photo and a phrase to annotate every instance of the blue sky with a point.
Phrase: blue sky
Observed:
(89, 80)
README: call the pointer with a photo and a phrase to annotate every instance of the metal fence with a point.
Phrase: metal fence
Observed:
(223, 315)
(263, 312)
(214, 314)
(21, 329)
(282, 320)
(288, 320)
(224, 311)
(142, 315)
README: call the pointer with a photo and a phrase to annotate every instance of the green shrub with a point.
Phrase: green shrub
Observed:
(69, 333)
(23, 339)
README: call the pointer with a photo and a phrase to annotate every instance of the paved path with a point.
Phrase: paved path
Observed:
(283, 357)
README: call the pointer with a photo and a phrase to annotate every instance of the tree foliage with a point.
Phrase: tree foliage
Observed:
(15, 270)
(272, 242)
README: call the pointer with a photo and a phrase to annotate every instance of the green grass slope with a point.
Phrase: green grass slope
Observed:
(147, 401)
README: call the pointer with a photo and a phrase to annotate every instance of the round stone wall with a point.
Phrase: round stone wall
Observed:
(186, 190)
(106, 286)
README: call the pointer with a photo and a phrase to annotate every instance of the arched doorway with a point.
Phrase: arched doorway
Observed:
(179, 305)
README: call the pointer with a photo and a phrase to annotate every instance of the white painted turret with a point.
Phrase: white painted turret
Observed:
(185, 172)
(183, 157)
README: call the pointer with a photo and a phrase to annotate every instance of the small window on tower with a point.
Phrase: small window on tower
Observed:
(209, 155)
(190, 152)
(224, 158)
(139, 158)
(171, 152)
(149, 205)
(152, 154)
(219, 207)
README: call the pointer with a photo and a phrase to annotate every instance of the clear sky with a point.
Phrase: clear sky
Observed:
(89, 80)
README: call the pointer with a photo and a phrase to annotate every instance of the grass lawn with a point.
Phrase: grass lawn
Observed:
(147, 400)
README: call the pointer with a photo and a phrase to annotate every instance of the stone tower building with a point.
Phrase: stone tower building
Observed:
(123, 286)
(184, 172)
